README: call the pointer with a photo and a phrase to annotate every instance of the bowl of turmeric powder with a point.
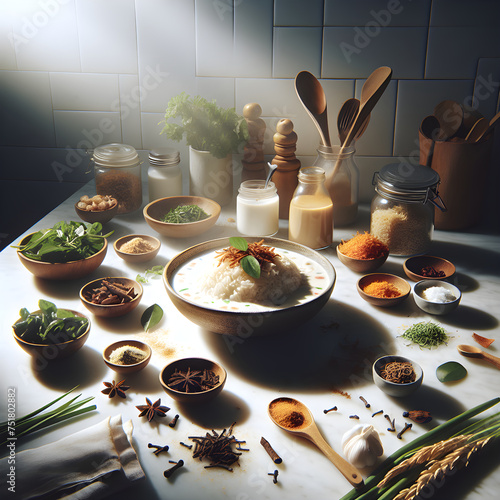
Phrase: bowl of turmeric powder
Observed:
(137, 248)
(383, 290)
(363, 253)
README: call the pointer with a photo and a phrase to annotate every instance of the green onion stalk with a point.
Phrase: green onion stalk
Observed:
(461, 424)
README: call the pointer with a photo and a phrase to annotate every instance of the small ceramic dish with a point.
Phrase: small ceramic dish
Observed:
(63, 270)
(414, 266)
(393, 388)
(156, 210)
(52, 352)
(124, 369)
(111, 310)
(439, 308)
(403, 286)
(101, 216)
(193, 364)
(137, 257)
(361, 265)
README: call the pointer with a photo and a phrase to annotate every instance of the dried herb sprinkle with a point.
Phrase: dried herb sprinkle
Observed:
(426, 334)
(185, 213)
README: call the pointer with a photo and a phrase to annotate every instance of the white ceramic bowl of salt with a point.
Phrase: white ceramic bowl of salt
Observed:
(436, 297)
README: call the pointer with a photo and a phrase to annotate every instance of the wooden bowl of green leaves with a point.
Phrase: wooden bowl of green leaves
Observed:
(182, 216)
(67, 251)
(51, 333)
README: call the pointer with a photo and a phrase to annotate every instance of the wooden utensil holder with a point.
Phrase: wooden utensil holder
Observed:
(463, 169)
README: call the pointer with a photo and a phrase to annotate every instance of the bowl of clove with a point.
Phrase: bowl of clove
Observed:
(111, 297)
(193, 380)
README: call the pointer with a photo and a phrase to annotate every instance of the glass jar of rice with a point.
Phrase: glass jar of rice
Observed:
(402, 211)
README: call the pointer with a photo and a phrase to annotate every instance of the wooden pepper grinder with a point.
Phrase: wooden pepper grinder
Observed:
(285, 177)
(254, 166)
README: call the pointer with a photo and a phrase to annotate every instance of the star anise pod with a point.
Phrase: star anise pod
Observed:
(113, 389)
(150, 410)
(188, 381)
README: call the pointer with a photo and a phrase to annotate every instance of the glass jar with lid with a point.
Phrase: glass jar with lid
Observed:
(118, 173)
(342, 181)
(257, 208)
(164, 173)
(311, 210)
(402, 211)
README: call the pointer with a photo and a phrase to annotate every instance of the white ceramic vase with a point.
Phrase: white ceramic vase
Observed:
(211, 177)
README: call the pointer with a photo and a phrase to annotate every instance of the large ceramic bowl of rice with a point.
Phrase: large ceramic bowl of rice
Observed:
(208, 285)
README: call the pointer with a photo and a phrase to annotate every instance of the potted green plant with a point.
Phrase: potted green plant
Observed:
(213, 134)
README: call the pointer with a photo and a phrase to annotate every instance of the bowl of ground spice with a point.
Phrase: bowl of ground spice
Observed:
(396, 375)
(428, 267)
(363, 253)
(182, 216)
(127, 356)
(193, 380)
(111, 297)
(137, 248)
(383, 290)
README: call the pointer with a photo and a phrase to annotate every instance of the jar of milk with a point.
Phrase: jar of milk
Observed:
(311, 210)
(164, 173)
(257, 208)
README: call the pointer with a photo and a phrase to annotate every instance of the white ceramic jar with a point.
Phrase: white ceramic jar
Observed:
(257, 208)
(164, 173)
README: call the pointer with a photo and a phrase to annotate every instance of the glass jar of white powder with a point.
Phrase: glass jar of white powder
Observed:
(164, 173)
(402, 211)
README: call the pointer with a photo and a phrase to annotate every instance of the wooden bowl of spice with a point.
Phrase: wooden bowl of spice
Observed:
(127, 356)
(182, 216)
(428, 267)
(363, 253)
(193, 380)
(111, 297)
(396, 375)
(137, 248)
(383, 290)
(96, 209)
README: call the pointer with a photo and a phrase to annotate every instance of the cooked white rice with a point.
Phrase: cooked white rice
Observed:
(277, 281)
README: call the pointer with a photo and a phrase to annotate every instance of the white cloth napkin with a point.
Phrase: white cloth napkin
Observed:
(93, 463)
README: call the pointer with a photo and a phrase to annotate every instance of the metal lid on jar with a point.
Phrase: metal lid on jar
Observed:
(115, 155)
(406, 176)
(163, 157)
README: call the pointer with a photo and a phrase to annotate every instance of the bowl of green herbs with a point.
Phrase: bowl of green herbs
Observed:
(69, 250)
(51, 333)
(182, 216)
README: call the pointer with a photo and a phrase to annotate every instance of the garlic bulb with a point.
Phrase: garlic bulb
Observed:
(361, 445)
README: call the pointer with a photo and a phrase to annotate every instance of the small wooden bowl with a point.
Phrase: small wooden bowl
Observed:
(156, 210)
(62, 271)
(52, 352)
(414, 265)
(136, 258)
(125, 369)
(111, 310)
(101, 216)
(392, 388)
(402, 284)
(361, 265)
(195, 364)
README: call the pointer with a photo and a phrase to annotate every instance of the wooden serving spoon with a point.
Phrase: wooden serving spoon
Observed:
(475, 352)
(450, 116)
(431, 129)
(346, 117)
(491, 126)
(311, 95)
(477, 130)
(309, 430)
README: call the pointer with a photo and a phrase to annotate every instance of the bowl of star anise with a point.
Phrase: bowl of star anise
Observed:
(193, 380)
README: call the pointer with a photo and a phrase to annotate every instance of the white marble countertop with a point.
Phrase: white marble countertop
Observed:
(332, 352)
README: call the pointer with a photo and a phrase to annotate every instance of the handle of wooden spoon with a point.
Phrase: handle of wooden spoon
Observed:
(346, 469)
(491, 359)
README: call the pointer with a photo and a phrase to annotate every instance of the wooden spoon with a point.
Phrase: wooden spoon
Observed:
(477, 130)
(475, 352)
(490, 128)
(450, 115)
(311, 95)
(431, 129)
(309, 430)
(346, 117)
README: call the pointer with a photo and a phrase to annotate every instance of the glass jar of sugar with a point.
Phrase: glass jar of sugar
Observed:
(402, 211)
(257, 208)
(164, 173)
(118, 173)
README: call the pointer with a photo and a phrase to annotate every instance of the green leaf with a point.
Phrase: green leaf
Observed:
(151, 317)
(251, 266)
(450, 372)
(238, 243)
(48, 308)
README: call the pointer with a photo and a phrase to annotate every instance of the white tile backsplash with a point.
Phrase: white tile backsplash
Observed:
(128, 104)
